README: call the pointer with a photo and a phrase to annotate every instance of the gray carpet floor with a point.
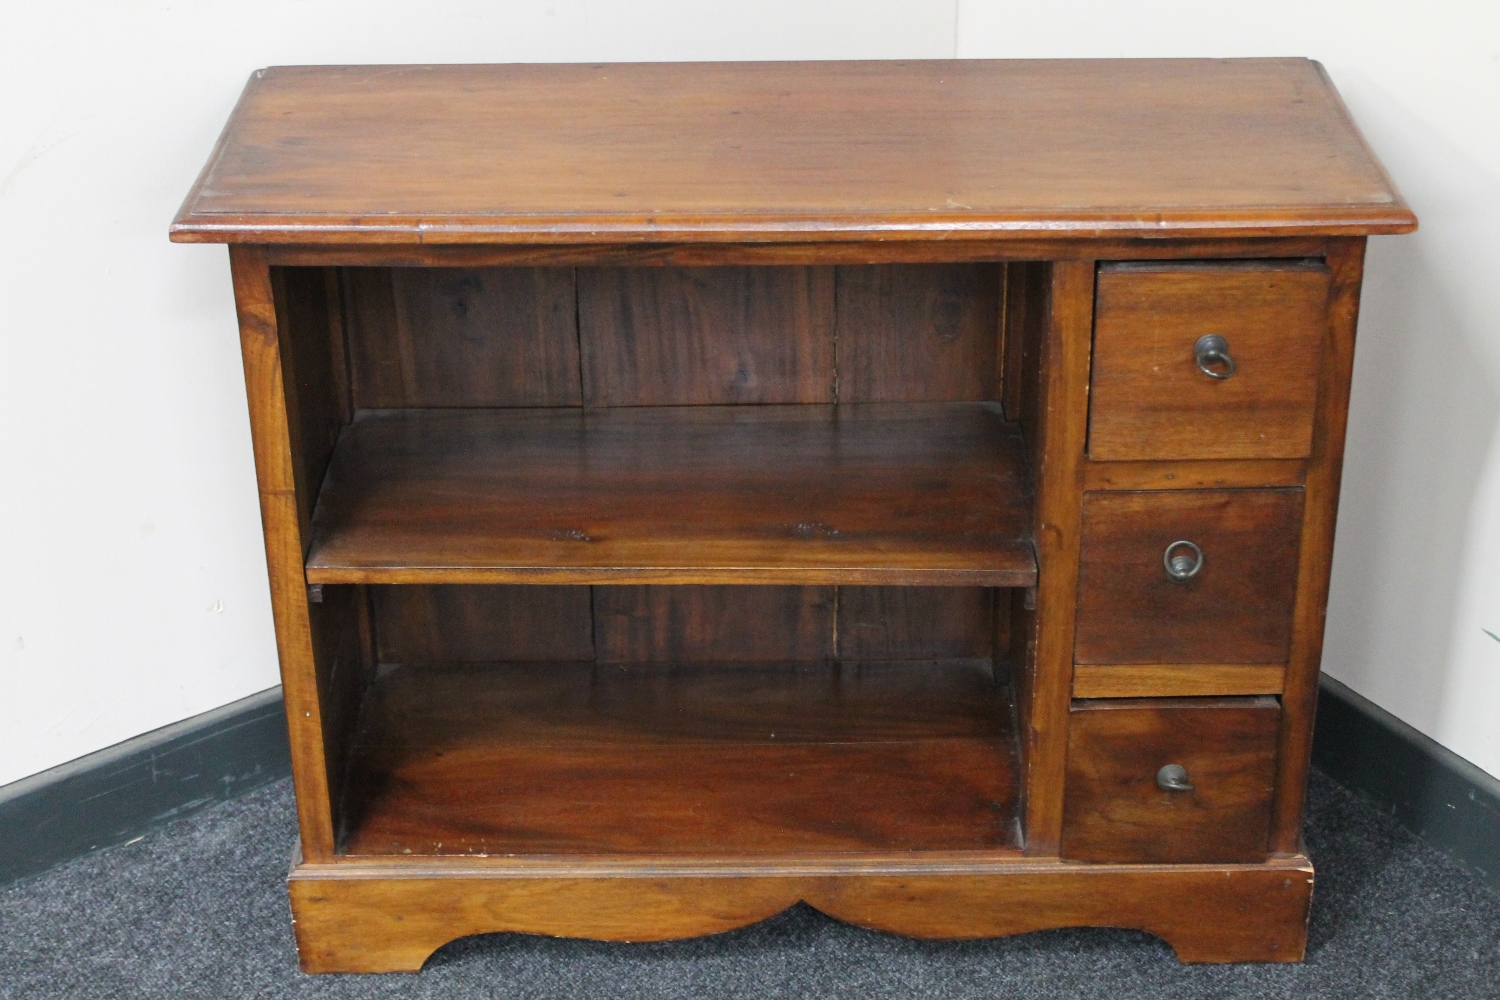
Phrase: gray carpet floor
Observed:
(198, 909)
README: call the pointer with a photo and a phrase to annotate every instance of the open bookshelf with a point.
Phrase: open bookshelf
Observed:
(692, 489)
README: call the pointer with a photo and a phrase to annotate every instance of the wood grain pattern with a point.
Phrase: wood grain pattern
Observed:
(906, 494)
(444, 624)
(371, 917)
(703, 336)
(802, 253)
(1237, 609)
(1116, 812)
(1191, 475)
(1149, 398)
(316, 410)
(345, 665)
(633, 759)
(686, 624)
(916, 623)
(424, 625)
(275, 465)
(679, 152)
(463, 336)
(1057, 424)
(1176, 680)
(918, 333)
(1315, 558)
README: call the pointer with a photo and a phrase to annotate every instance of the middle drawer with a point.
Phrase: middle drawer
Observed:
(1188, 576)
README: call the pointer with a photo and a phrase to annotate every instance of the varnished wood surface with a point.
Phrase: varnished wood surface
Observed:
(801, 253)
(687, 624)
(422, 337)
(1237, 609)
(918, 623)
(1176, 680)
(917, 333)
(1191, 475)
(857, 150)
(1346, 260)
(376, 917)
(303, 679)
(1116, 812)
(666, 336)
(879, 494)
(631, 759)
(696, 336)
(1058, 318)
(433, 624)
(1150, 400)
(419, 624)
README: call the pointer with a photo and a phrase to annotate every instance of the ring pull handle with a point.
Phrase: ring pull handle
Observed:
(1173, 778)
(1183, 560)
(1213, 357)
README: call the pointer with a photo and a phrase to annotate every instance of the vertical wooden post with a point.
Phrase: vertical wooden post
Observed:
(1060, 435)
(270, 429)
(1346, 259)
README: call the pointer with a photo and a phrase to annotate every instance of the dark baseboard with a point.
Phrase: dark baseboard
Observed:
(1429, 789)
(131, 788)
(127, 790)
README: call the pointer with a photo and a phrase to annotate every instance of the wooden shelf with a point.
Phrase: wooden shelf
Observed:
(705, 761)
(897, 494)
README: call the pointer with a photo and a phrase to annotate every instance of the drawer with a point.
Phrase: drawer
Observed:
(1119, 806)
(1149, 398)
(1236, 607)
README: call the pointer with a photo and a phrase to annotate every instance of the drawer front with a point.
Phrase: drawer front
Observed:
(1149, 398)
(1236, 607)
(1120, 806)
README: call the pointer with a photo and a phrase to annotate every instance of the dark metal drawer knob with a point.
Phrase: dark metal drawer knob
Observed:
(1173, 778)
(1213, 357)
(1183, 560)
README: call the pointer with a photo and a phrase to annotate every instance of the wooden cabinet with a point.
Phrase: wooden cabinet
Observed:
(694, 489)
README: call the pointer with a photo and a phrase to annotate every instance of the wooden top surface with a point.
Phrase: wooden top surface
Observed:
(674, 152)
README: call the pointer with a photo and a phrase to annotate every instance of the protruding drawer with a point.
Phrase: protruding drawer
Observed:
(1170, 780)
(1188, 576)
(1206, 360)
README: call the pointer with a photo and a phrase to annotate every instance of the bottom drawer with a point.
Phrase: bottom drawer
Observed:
(1126, 802)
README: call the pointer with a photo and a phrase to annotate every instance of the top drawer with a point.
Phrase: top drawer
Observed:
(1151, 399)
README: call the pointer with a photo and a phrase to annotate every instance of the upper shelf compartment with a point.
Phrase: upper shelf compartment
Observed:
(898, 494)
(833, 151)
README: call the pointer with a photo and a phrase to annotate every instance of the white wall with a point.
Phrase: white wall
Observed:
(132, 581)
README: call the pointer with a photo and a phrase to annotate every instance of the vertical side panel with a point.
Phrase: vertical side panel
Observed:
(310, 370)
(255, 303)
(1022, 294)
(1061, 425)
(340, 627)
(918, 332)
(1346, 259)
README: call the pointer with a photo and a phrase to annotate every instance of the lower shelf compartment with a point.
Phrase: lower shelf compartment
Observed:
(734, 760)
